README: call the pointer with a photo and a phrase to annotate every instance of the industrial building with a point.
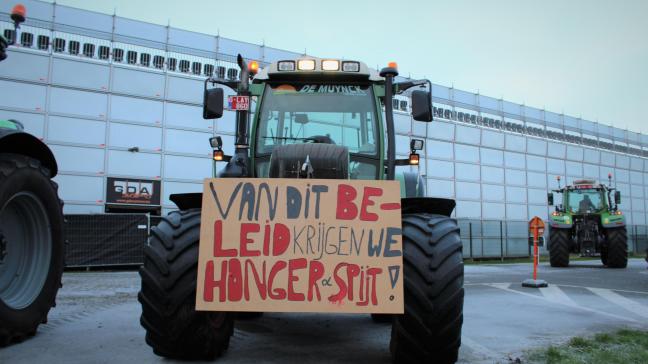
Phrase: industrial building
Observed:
(119, 102)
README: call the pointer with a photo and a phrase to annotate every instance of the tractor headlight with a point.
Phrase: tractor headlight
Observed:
(351, 66)
(286, 66)
(330, 65)
(306, 65)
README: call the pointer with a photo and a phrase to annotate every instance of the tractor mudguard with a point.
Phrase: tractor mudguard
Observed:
(431, 205)
(19, 142)
(411, 183)
(186, 201)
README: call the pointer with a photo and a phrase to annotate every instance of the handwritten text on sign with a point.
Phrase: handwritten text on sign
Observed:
(307, 245)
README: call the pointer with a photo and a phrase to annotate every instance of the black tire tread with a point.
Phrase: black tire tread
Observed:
(559, 247)
(174, 329)
(430, 329)
(617, 249)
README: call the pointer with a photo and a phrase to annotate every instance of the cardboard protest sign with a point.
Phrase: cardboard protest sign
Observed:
(300, 245)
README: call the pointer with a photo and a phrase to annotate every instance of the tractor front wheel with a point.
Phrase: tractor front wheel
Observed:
(559, 247)
(174, 329)
(617, 247)
(430, 329)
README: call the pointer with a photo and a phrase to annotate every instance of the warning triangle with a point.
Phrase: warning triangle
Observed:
(394, 272)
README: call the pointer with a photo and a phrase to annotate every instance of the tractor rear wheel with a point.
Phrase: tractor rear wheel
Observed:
(430, 328)
(174, 329)
(559, 247)
(617, 247)
(31, 246)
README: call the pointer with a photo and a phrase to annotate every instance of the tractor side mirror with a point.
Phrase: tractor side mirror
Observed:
(213, 103)
(617, 197)
(421, 106)
(550, 199)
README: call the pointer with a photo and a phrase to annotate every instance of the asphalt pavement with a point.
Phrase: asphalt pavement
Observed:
(96, 319)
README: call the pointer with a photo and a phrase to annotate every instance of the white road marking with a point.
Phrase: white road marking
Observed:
(555, 294)
(479, 349)
(505, 287)
(625, 303)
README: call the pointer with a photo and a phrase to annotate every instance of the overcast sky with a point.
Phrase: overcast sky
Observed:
(586, 58)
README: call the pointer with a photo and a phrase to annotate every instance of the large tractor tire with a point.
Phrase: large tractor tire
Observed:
(430, 329)
(31, 246)
(174, 329)
(617, 247)
(559, 247)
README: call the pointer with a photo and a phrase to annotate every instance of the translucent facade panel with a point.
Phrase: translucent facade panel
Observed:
(495, 211)
(442, 169)
(639, 218)
(22, 96)
(607, 159)
(136, 110)
(466, 153)
(86, 75)
(511, 108)
(532, 112)
(80, 188)
(137, 82)
(185, 89)
(638, 204)
(134, 164)
(272, 54)
(492, 192)
(555, 166)
(636, 177)
(468, 191)
(514, 160)
(538, 210)
(636, 164)
(622, 175)
(491, 157)
(135, 136)
(591, 171)
(183, 141)
(464, 97)
(78, 103)
(34, 123)
(516, 212)
(515, 194)
(468, 209)
(489, 103)
(419, 128)
(553, 119)
(440, 188)
(440, 92)
(624, 188)
(402, 123)
(78, 159)
(25, 66)
(441, 130)
(468, 172)
(226, 124)
(535, 163)
(591, 155)
(571, 122)
(604, 174)
(232, 47)
(492, 139)
(556, 150)
(71, 130)
(197, 40)
(492, 174)
(574, 169)
(622, 161)
(535, 179)
(536, 196)
(148, 31)
(186, 116)
(469, 135)
(402, 145)
(515, 143)
(169, 188)
(536, 146)
(515, 177)
(187, 168)
(574, 153)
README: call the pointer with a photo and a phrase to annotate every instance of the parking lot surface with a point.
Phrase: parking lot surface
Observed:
(96, 319)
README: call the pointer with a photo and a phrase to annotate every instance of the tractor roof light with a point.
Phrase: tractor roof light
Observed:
(414, 159)
(253, 67)
(330, 65)
(618, 212)
(348, 66)
(218, 155)
(555, 213)
(286, 66)
(216, 142)
(306, 65)
(18, 13)
(416, 144)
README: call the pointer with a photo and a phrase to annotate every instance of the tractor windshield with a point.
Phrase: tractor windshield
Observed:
(585, 201)
(339, 114)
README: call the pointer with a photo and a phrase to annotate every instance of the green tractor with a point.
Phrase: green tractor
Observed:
(31, 227)
(313, 118)
(588, 222)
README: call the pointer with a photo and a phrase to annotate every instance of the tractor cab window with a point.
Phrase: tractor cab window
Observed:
(339, 114)
(586, 200)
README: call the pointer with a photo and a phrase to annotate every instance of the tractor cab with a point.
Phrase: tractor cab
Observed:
(584, 197)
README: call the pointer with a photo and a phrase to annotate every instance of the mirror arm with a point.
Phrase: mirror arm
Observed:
(221, 81)
(401, 87)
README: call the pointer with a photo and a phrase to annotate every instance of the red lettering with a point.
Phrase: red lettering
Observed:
(315, 273)
(279, 293)
(371, 274)
(293, 265)
(247, 228)
(266, 240)
(211, 283)
(218, 242)
(352, 271)
(234, 281)
(260, 281)
(281, 239)
(366, 201)
(342, 287)
(346, 209)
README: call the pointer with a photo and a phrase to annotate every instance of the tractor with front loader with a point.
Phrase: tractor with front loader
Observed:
(588, 222)
(31, 225)
(314, 120)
